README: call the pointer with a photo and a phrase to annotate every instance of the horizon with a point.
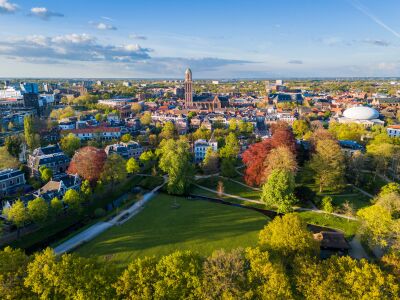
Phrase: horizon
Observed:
(156, 40)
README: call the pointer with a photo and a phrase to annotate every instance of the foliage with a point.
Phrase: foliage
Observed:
(280, 158)
(56, 207)
(45, 173)
(6, 160)
(88, 163)
(145, 119)
(32, 139)
(132, 166)
(288, 236)
(70, 143)
(300, 128)
(328, 165)
(168, 131)
(38, 210)
(114, 169)
(231, 148)
(210, 164)
(13, 144)
(327, 204)
(17, 213)
(228, 167)
(347, 131)
(126, 138)
(73, 200)
(175, 160)
(278, 190)
(147, 158)
(254, 158)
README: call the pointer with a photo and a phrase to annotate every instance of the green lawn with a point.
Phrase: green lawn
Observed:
(347, 226)
(160, 229)
(230, 187)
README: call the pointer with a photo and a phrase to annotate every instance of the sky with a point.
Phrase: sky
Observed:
(215, 38)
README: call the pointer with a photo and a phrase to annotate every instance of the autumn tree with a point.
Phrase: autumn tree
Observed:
(327, 163)
(145, 119)
(283, 136)
(88, 163)
(7, 160)
(70, 143)
(278, 190)
(280, 158)
(136, 107)
(254, 158)
(300, 128)
(168, 131)
(114, 169)
(126, 138)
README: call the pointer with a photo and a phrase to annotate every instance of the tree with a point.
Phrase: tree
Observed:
(38, 210)
(45, 173)
(17, 214)
(98, 117)
(231, 148)
(220, 188)
(179, 275)
(13, 263)
(202, 133)
(327, 204)
(391, 187)
(145, 119)
(328, 165)
(254, 158)
(132, 166)
(224, 275)
(382, 155)
(280, 158)
(13, 144)
(283, 136)
(228, 167)
(70, 143)
(288, 236)
(88, 163)
(278, 190)
(73, 200)
(138, 280)
(175, 160)
(233, 125)
(86, 189)
(56, 207)
(147, 158)
(347, 131)
(114, 169)
(210, 164)
(168, 131)
(136, 107)
(300, 128)
(126, 138)
(31, 137)
(6, 160)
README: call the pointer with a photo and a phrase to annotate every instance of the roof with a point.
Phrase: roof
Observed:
(92, 130)
(361, 113)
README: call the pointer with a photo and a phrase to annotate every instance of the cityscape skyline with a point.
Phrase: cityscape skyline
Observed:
(344, 38)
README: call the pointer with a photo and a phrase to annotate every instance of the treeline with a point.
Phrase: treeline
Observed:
(284, 265)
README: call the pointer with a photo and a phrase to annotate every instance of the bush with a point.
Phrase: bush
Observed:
(304, 194)
(99, 212)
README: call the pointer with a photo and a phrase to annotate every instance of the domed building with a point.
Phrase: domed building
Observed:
(364, 115)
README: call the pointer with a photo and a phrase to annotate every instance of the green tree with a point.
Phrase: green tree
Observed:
(300, 128)
(175, 160)
(278, 190)
(228, 167)
(179, 275)
(13, 263)
(233, 125)
(288, 236)
(56, 207)
(86, 189)
(13, 144)
(132, 166)
(126, 138)
(17, 214)
(70, 143)
(45, 173)
(147, 158)
(327, 204)
(391, 187)
(145, 119)
(210, 164)
(231, 148)
(31, 137)
(114, 170)
(328, 165)
(168, 131)
(138, 280)
(38, 210)
(73, 200)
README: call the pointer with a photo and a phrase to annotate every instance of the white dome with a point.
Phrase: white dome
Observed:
(361, 113)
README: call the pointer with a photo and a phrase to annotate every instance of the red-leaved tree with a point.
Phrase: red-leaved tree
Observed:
(254, 158)
(88, 163)
(283, 136)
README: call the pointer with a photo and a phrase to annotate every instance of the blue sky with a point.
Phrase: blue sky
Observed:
(217, 39)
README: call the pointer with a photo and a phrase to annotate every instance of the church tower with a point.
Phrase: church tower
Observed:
(188, 89)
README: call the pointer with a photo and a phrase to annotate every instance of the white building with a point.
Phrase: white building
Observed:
(201, 146)
(363, 115)
(393, 131)
(102, 133)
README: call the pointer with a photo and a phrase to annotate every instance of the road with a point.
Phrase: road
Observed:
(98, 228)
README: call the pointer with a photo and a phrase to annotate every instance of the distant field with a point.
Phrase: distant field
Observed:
(160, 229)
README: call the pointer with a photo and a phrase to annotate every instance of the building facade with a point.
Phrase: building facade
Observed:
(10, 181)
(188, 89)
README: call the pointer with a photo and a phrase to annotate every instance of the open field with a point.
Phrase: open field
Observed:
(162, 228)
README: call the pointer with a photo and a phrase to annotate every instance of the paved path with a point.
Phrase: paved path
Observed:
(228, 195)
(357, 251)
(100, 227)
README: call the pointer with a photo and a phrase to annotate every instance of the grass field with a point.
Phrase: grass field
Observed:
(160, 229)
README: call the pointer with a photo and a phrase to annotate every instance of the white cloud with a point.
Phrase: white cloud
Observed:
(7, 7)
(43, 13)
(103, 26)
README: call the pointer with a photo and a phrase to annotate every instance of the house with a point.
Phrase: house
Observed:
(201, 146)
(393, 131)
(58, 186)
(10, 181)
(100, 132)
(51, 157)
(126, 150)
